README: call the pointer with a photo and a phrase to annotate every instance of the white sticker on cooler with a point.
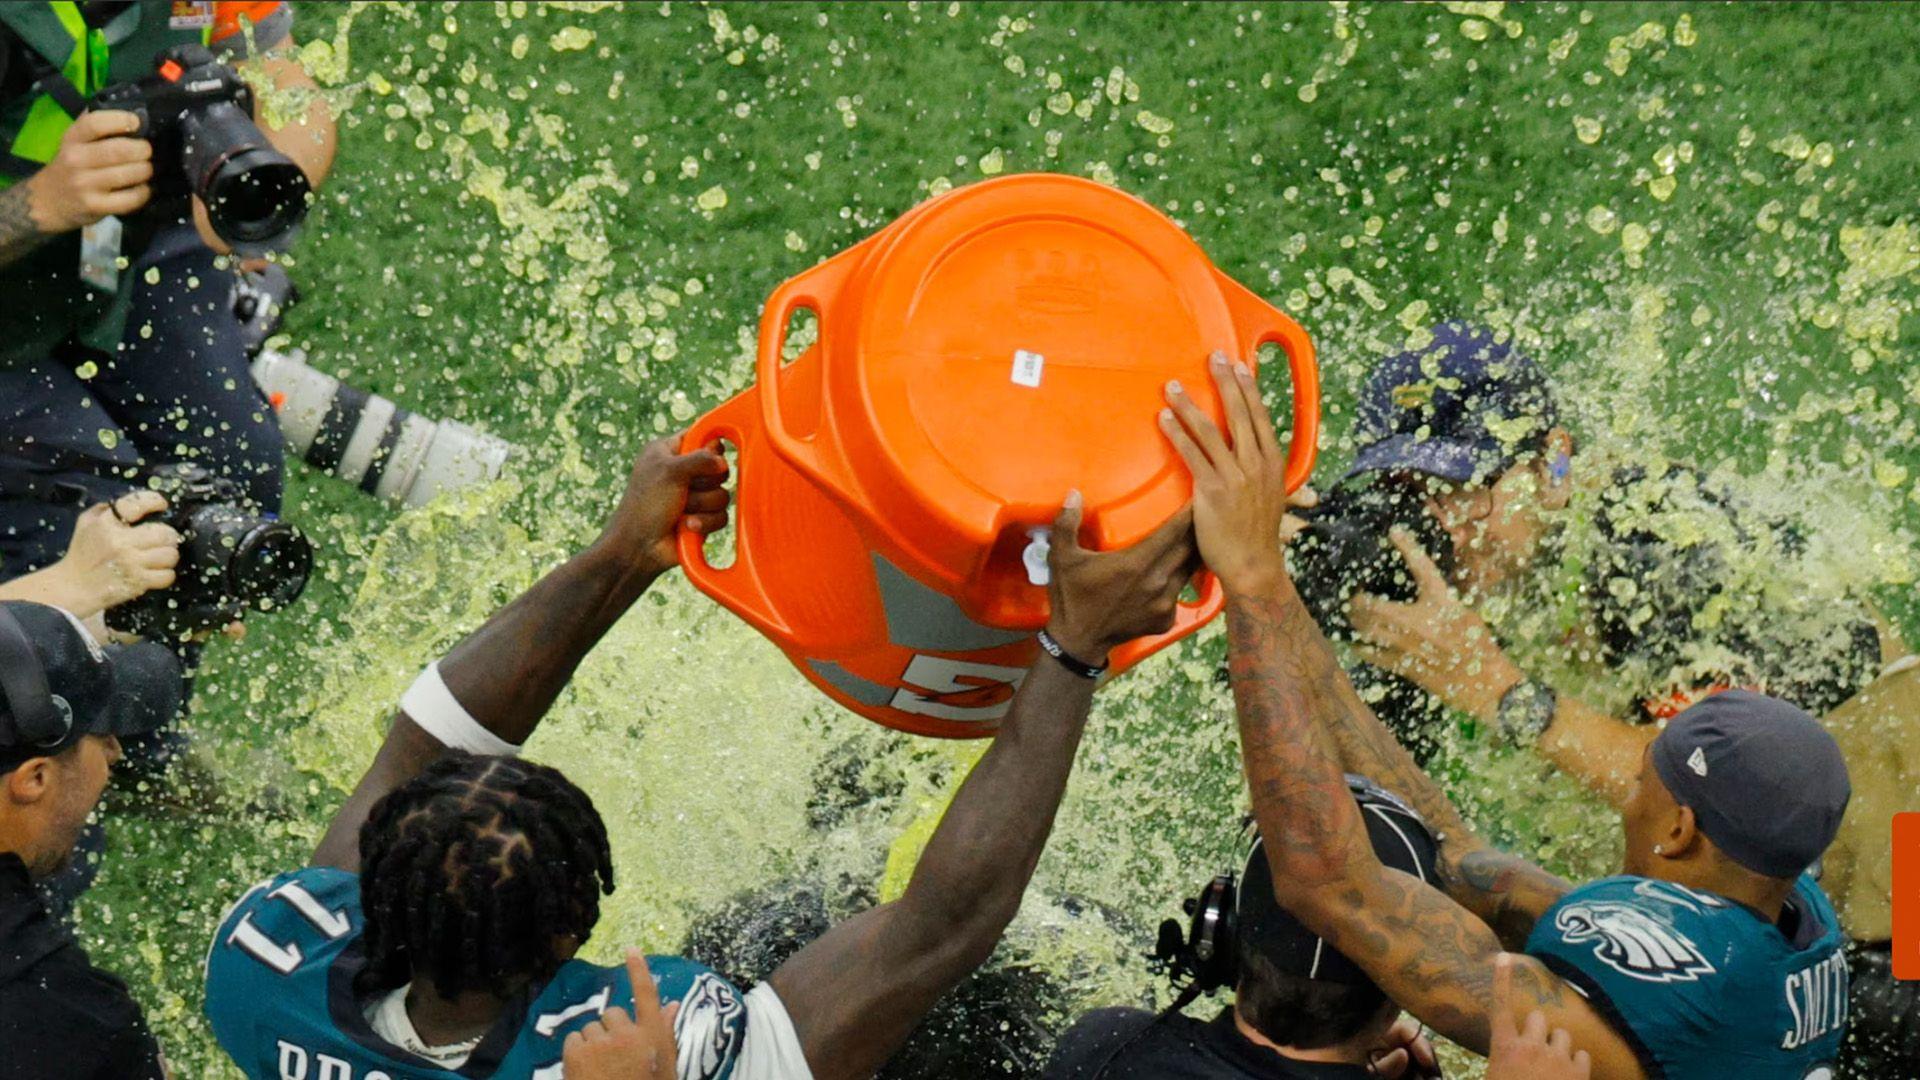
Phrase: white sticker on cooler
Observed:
(1027, 367)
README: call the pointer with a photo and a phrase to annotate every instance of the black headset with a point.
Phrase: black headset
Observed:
(41, 717)
(1207, 956)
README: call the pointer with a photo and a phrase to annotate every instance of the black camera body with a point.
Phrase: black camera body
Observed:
(198, 114)
(232, 559)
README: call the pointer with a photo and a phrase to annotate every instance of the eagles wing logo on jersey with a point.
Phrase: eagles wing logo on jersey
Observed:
(710, 1028)
(1633, 942)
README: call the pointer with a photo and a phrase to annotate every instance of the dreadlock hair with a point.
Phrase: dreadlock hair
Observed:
(470, 871)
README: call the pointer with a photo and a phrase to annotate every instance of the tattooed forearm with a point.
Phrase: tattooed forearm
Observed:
(1284, 679)
(1430, 954)
(18, 234)
(1506, 891)
(1368, 748)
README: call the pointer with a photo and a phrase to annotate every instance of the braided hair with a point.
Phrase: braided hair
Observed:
(470, 871)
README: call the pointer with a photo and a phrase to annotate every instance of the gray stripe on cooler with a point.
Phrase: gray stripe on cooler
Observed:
(855, 687)
(922, 619)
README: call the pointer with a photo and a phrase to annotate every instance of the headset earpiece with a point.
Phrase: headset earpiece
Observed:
(1206, 957)
(41, 718)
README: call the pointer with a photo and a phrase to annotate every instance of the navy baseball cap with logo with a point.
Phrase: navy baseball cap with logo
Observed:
(1462, 408)
(1402, 841)
(57, 685)
(1766, 783)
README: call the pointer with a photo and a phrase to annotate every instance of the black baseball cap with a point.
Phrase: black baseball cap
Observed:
(1462, 408)
(1766, 783)
(1402, 841)
(58, 685)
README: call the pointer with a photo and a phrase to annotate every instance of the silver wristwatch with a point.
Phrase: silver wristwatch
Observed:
(1525, 712)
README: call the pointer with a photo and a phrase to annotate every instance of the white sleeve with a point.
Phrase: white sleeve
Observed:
(772, 1048)
(718, 1028)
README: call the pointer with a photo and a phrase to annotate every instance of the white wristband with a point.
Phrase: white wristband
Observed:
(429, 704)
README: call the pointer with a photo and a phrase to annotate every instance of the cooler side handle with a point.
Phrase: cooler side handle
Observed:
(815, 289)
(738, 586)
(1259, 323)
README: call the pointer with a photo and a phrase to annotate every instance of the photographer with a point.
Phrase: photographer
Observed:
(119, 552)
(118, 346)
(65, 703)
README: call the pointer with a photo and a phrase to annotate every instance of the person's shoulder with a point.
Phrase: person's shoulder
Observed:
(309, 893)
(1115, 1021)
(278, 942)
(88, 1013)
(676, 978)
(1638, 929)
(1093, 1039)
(1651, 894)
(66, 993)
(1813, 900)
(716, 1027)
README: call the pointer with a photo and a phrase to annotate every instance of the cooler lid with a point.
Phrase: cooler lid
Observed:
(1013, 340)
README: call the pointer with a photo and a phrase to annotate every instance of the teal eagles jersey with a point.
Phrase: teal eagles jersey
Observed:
(1700, 986)
(280, 997)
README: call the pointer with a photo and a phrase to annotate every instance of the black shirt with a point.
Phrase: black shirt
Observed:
(1133, 1044)
(59, 1015)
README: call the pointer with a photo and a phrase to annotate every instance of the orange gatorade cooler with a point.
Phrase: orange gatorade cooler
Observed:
(993, 348)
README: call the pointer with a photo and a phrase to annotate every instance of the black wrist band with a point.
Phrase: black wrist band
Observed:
(1068, 660)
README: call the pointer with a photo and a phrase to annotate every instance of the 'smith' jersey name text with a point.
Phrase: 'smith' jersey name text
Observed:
(1817, 996)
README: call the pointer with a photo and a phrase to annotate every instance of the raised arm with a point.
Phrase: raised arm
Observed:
(506, 674)
(1507, 892)
(1447, 649)
(1432, 956)
(858, 992)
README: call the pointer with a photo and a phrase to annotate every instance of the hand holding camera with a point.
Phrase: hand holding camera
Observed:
(103, 167)
(116, 555)
(231, 559)
(113, 557)
(203, 154)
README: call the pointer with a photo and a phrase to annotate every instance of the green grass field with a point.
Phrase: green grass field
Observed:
(557, 222)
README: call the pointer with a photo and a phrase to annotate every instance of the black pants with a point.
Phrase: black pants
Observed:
(178, 389)
(1883, 1022)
